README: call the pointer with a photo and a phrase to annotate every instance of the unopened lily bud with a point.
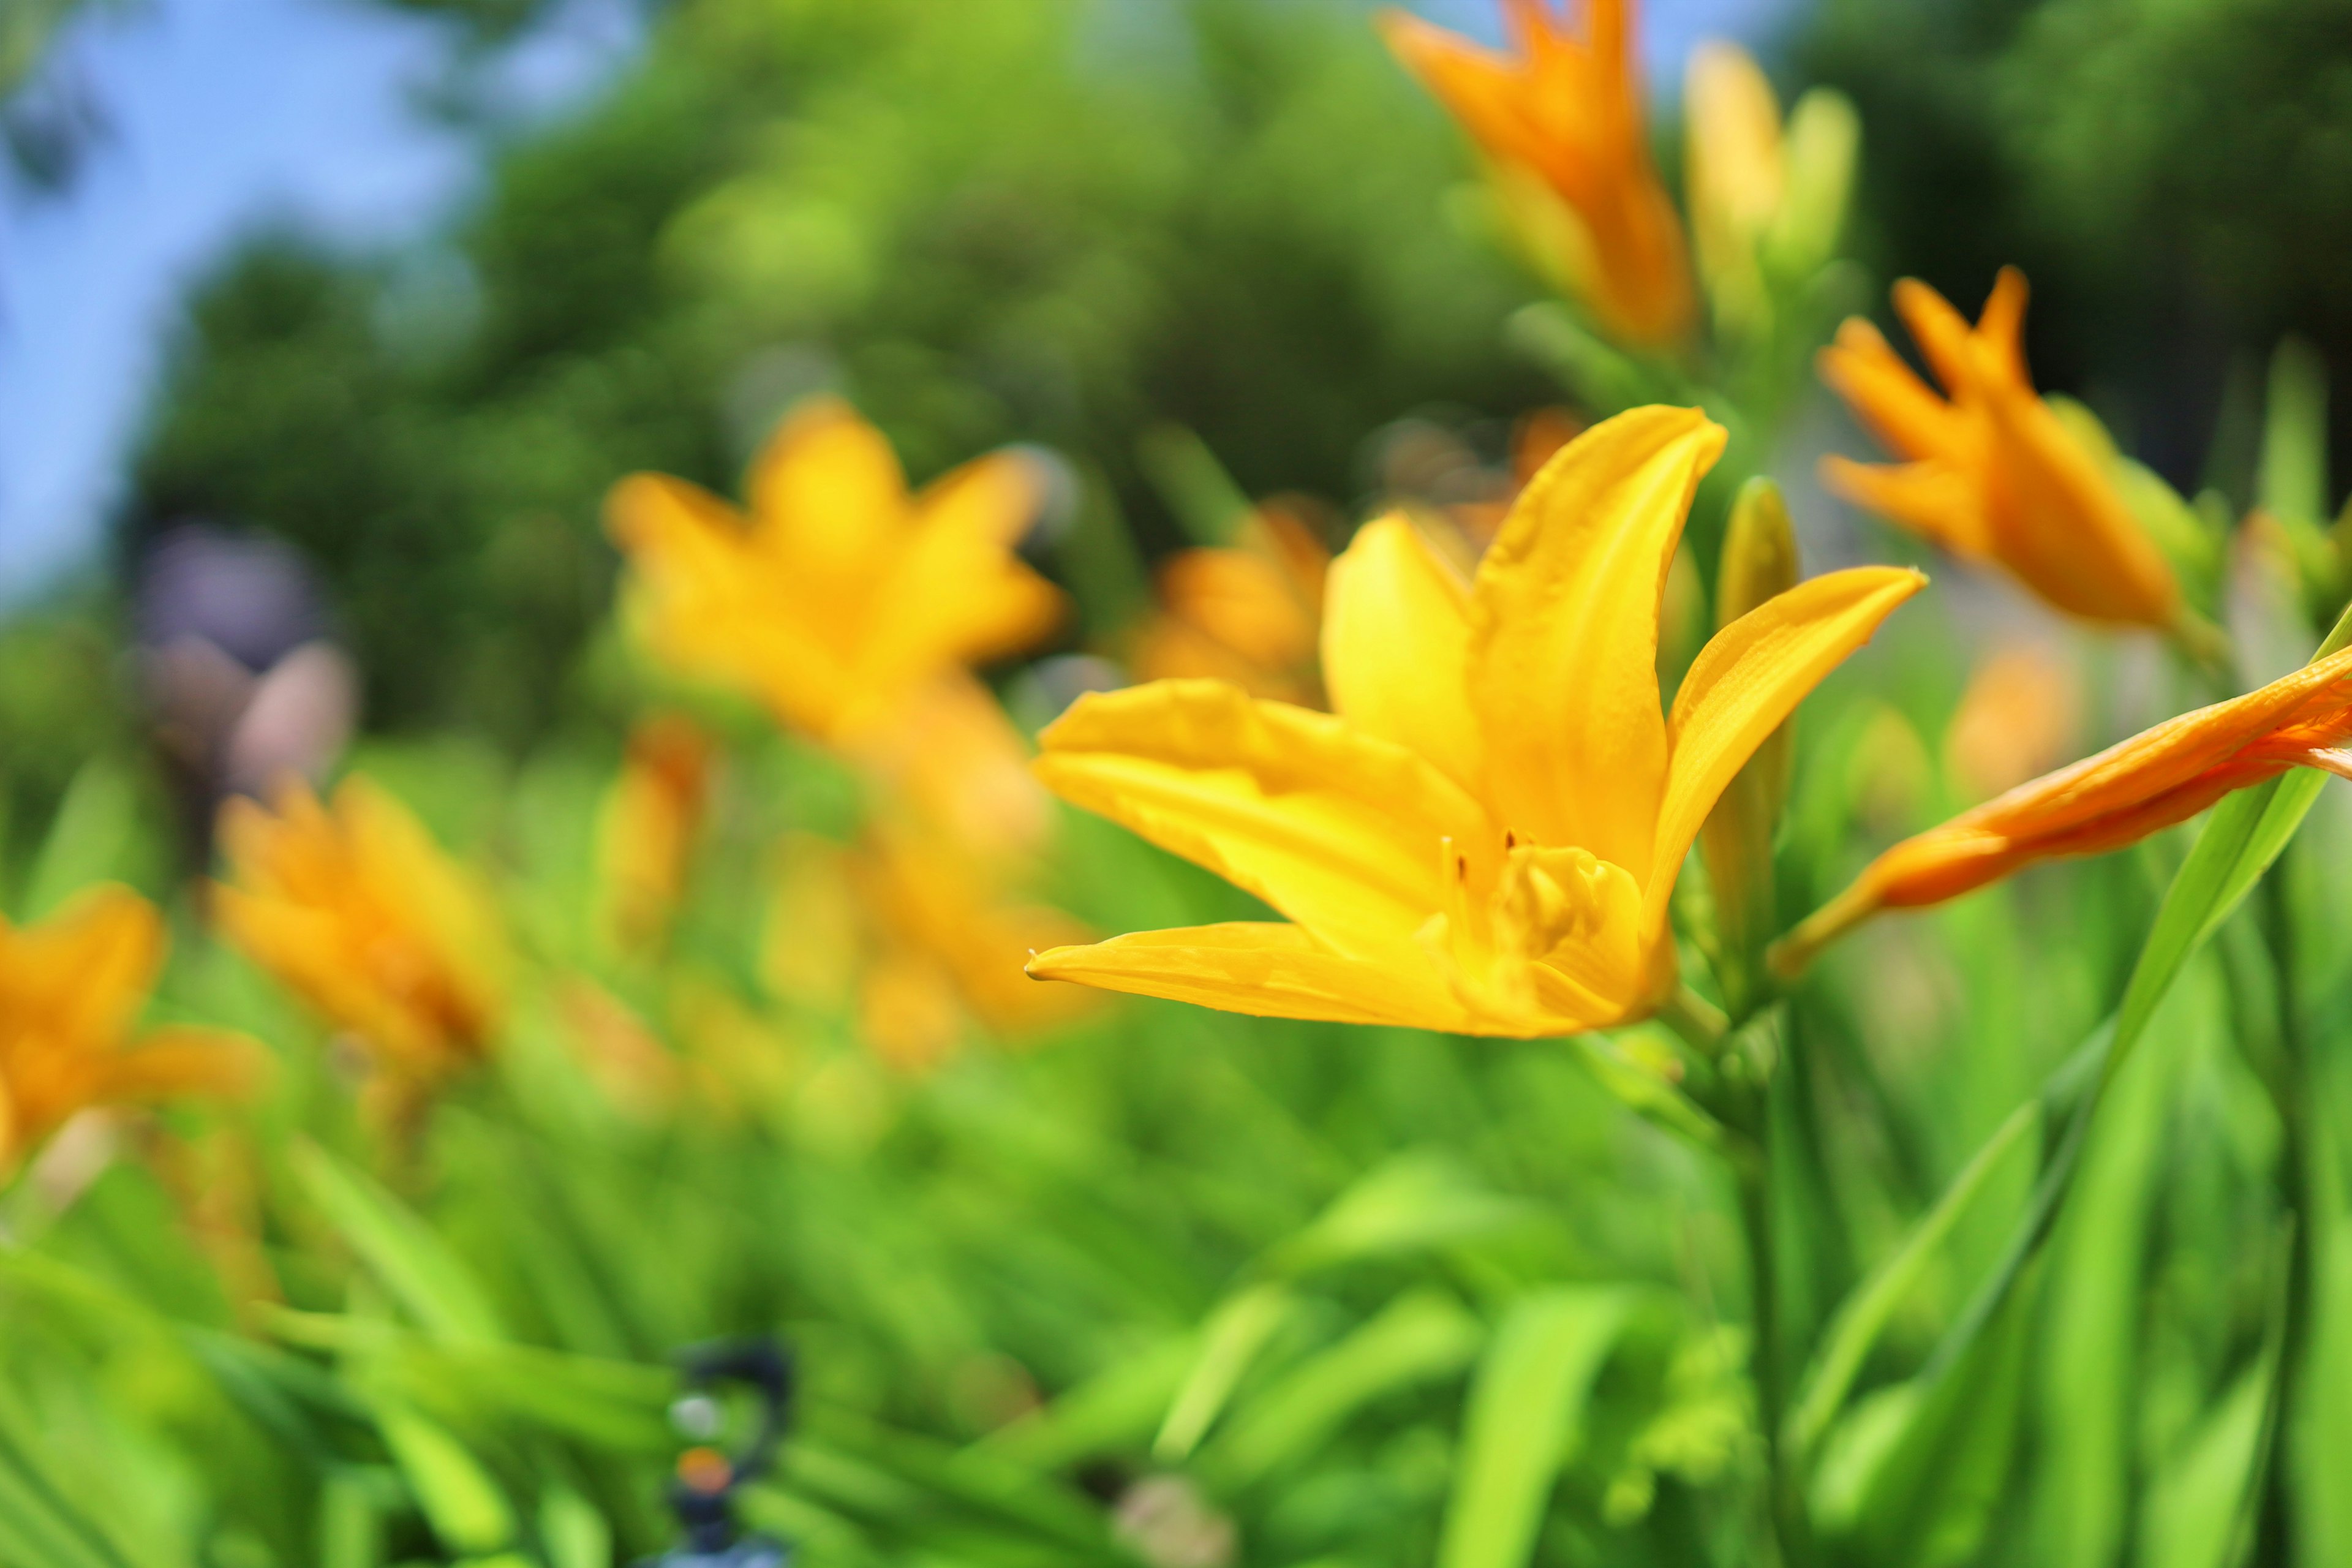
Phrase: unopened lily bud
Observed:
(1759, 561)
(1819, 149)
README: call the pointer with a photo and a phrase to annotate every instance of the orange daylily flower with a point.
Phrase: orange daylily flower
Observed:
(70, 988)
(1249, 612)
(841, 594)
(358, 912)
(2161, 776)
(1990, 471)
(648, 827)
(1483, 836)
(1560, 116)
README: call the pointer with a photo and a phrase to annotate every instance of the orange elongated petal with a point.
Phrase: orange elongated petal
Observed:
(2060, 524)
(1338, 830)
(1265, 969)
(1887, 395)
(1564, 633)
(1396, 648)
(2159, 777)
(1745, 683)
(1934, 498)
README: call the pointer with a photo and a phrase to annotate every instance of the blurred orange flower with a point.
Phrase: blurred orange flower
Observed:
(1249, 612)
(358, 911)
(841, 594)
(1561, 115)
(647, 830)
(2158, 777)
(2016, 718)
(1990, 471)
(71, 987)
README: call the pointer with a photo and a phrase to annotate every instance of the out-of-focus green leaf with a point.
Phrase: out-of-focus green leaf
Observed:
(1206, 502)
(1414, 1203)
(2093, 1305)
(1416, 1339)
(574, 1534)
(1120, 1406)
(2196, 1505)
(405, 1254)
(1864, 1314)
(1524, 1420)
(465, 1506)
(40, 1524)
(351, 1525)
(1230, 1341)
(1934, 1485)
(89, 839)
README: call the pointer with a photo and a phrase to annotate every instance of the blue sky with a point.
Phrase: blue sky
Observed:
(226, 114)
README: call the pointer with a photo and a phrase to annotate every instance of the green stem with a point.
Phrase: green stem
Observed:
(1784, 1489)
(2291, 1088)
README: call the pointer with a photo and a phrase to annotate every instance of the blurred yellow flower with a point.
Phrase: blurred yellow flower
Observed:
(841, 594)
(1992, 472)
(1560, 118)
(1249, 612)
(921, 935)
(2161, 776)
(358, 911)
(72, 988)
(647, 830)
(1483, 838)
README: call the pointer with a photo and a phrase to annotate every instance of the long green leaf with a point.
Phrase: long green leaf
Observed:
(1525, 1418)
(405, 1254)
(1864, 1315)
(1230, 1341)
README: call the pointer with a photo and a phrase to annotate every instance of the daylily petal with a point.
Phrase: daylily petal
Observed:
(958, 594)
(2063, 528)
(704, 600)
(1886, 395)
(1564, 632)
(1337, 829)
(170, 1062)
(1745, 683)
(1396, 648)
(2161, 776)
(84, 973)
(1265, 969)
(828, 495)
(1934, 498)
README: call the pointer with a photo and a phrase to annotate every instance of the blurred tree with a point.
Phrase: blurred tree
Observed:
(1001, 220)
(2176, 175)
(47, 118)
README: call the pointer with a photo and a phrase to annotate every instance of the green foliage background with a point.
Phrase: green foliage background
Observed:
(1377, 1297)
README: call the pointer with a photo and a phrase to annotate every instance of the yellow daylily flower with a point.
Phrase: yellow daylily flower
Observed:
(359, 913)
(1482, 836)
(841, 593)
(646, 830)
(1560, 116)
(1991, 472)
(2160, 776)
(72, 988)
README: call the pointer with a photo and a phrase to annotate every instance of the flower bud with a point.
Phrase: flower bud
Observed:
(1760, 561)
